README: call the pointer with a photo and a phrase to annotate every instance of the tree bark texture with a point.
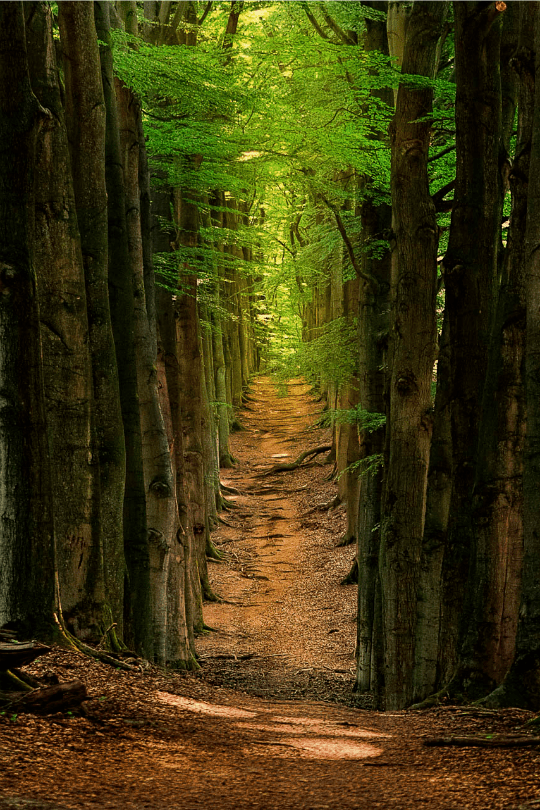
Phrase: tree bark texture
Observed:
(413, 345)
(470, 275)
(495, 572)
(137, 612)
(26, 510)
(521, 686)
(67, 363)
(86, 126)
(373, 328)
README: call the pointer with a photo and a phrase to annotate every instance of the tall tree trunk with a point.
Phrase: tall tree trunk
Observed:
(413, 344)
(439, 490)
(373, 327)
(189, 357)
(494, 579)
(521, 686)
(470, 274)
(161, 512)
(120, 285)
(86, 121)
(67, 363)
(26, 509)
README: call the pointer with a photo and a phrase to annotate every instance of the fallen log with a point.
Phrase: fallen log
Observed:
(18, 655)
(518, 741)
(47, 700)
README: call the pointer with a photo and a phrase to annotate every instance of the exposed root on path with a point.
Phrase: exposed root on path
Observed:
(293, 465)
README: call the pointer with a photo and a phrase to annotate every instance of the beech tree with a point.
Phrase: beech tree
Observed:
(334, 190)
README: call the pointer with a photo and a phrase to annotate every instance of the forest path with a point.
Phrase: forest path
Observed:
(160, 740)
(285, 627)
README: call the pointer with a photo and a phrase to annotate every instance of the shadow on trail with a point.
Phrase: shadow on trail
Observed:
(285, 627)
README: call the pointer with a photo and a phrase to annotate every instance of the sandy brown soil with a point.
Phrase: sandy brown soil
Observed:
(154, 740)
(287, 626)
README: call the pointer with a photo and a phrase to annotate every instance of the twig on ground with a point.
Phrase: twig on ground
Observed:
(521, 741)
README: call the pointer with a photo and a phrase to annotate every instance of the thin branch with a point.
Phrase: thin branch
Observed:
(338, 31)
(313, 21)
(341, 228)
(205, 13)
(438, 198)
(441, 154)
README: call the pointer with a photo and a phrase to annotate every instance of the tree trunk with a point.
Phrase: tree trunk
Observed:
(413, 344)
(137, 596)
(86, 121)
(373, 327)
(470, 274)
(26, 508)
(67, 363)
(521, 686)
(494, 581)
(161, 512)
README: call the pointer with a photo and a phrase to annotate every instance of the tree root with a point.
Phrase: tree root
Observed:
(293, 465)
(324, 507)
(345, 540)
(212, 552)
(90, 652)
(352, 576)
(227, 504)
(226, 461)
(229, 490)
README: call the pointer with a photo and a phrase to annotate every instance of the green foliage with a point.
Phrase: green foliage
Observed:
(275, 139)
(366, 421)
(366, 466)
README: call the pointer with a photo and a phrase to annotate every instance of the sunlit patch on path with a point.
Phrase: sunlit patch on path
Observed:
(199, 707)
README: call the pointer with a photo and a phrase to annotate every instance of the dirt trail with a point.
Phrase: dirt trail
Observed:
(285, 618)
(157, 740)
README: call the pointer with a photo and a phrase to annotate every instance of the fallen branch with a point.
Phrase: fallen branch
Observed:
(521, 741)
(18, 655)
(47, 700)
(293, 465)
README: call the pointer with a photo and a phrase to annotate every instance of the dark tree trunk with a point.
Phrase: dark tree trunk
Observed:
(470, 274)
(120, 285)
(86, 122)
(67, 362)
(412, 347)
(26, 509)
(521, 686)
(494, 580)
(373, 327)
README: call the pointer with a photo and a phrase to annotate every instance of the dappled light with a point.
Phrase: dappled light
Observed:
(269, 404)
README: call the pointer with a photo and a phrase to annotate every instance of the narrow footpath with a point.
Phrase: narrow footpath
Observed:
(285, 626)
(269, 722)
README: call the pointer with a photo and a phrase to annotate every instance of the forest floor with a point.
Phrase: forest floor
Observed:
(270, 721)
